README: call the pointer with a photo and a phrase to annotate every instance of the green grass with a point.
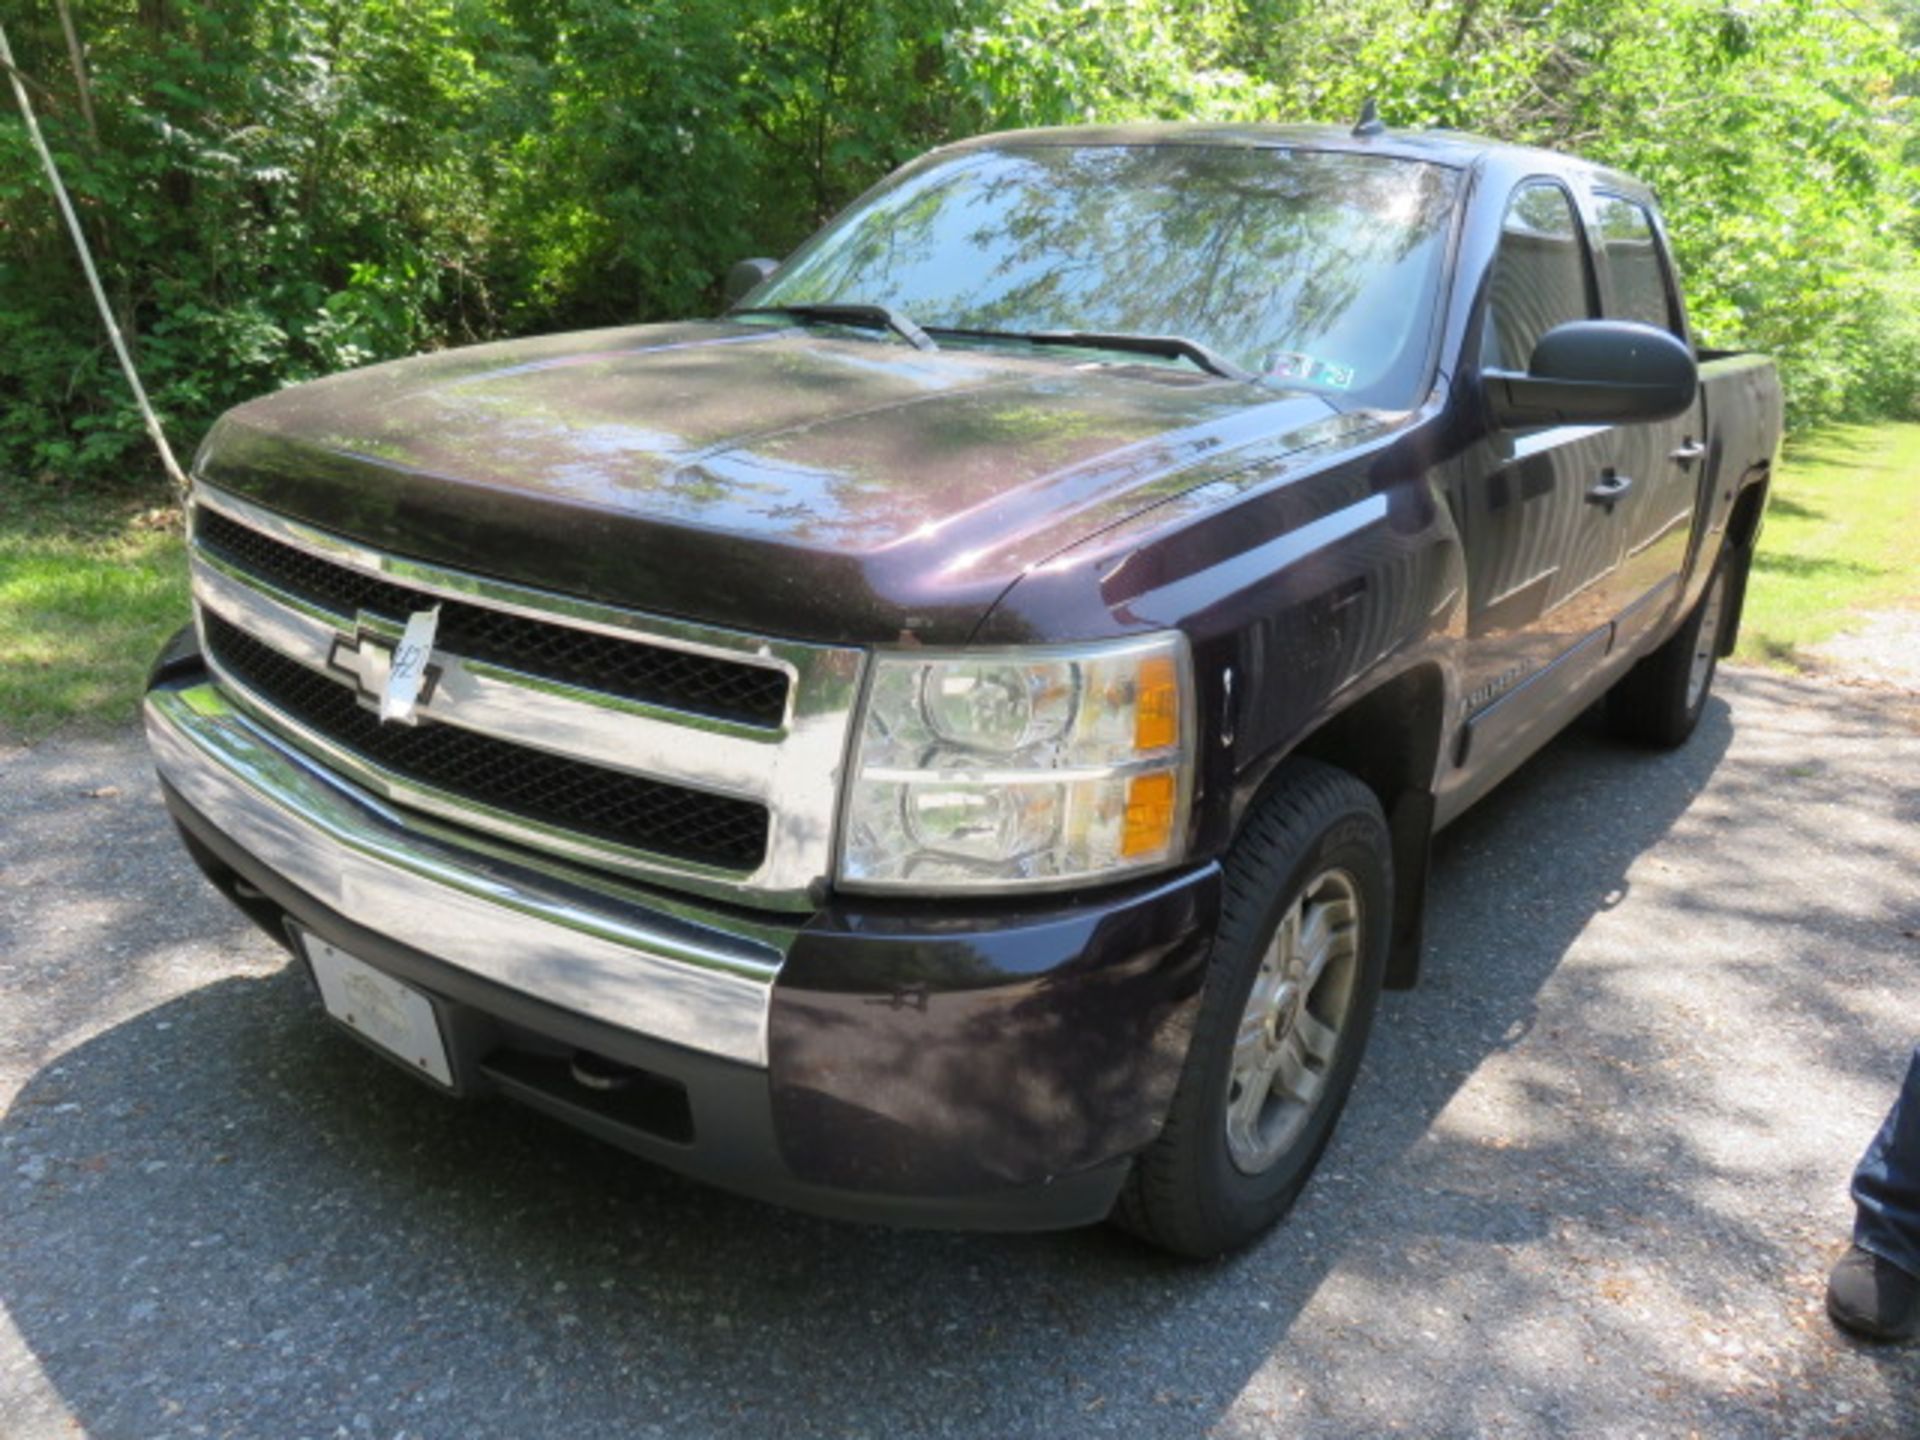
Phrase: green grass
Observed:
(88, 590)
(1842, 537)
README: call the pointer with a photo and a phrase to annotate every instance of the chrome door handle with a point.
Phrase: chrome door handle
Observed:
(1609, 489)
(1688, 453)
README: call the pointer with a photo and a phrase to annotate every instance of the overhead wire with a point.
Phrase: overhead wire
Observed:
(147, 415)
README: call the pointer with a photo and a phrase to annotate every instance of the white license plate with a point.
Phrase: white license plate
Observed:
(390, 1013)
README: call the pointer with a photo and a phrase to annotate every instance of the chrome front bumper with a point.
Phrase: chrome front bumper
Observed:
(582, 941)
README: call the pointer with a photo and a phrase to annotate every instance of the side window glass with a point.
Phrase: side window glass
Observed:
(1636, 278)
(1539, 276)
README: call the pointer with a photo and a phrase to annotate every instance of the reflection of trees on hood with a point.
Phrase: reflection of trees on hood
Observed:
(1248, 250)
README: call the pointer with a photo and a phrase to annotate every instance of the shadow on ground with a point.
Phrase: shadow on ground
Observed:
(222, 1217)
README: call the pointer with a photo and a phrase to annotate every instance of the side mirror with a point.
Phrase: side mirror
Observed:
(744, 276)
(1596, 372)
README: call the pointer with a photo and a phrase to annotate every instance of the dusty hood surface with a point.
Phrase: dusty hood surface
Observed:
(775, 480)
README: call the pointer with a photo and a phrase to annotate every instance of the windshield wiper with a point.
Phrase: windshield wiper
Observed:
(849, 313)
(1174, 347)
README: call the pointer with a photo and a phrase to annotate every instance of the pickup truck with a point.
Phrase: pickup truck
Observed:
(956, 740)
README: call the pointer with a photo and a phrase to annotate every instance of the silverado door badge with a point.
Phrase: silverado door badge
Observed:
(392, 676)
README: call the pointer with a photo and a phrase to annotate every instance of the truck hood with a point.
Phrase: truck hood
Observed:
(775, 480)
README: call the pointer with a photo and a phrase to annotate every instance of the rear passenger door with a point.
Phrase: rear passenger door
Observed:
(1663, 460)
(1542, 557)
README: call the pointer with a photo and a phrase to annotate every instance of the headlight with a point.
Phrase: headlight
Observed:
(998, 770)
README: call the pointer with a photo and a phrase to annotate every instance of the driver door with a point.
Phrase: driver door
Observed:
(1543, 545)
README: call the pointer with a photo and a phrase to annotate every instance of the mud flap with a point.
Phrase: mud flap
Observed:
(1410, 826)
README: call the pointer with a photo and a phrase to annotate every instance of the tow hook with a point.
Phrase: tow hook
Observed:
(596, 1072)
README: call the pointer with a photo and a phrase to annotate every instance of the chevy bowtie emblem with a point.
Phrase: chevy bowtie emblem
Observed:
(391, 676)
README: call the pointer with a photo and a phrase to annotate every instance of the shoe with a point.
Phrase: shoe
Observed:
(1873, 1298)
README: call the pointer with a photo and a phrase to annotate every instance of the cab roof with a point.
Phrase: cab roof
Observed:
(1456, 149)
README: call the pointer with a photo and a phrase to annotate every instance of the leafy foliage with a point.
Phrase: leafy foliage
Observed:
(280, 189)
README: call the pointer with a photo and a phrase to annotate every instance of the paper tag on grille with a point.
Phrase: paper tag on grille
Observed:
(408, 671)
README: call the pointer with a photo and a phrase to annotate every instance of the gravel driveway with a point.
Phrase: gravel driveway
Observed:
(1590, 1184)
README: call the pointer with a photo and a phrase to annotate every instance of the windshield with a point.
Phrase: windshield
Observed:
(1311, 268)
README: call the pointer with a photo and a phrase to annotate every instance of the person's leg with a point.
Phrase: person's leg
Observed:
(1875, 1289)
(1886, 1186)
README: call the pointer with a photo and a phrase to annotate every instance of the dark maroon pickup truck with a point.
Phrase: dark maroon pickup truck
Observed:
(956, 740)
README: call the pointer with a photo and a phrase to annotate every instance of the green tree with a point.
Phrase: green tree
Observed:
(282, 188)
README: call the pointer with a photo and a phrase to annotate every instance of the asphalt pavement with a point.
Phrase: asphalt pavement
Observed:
(1590, 1183)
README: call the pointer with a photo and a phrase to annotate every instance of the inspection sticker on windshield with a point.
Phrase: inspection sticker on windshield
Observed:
(1291, 365)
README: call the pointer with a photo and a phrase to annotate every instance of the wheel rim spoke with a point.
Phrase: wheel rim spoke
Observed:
(1297, 1078)
(1250, 1047)
(1317, 1038)
(1289, 1033)
(1339, 911)
(1246, 1108)
(1316, 945)
(1286, 938)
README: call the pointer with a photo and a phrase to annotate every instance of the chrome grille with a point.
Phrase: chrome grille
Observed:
(678, 752)
(703, 684)
(589, 799)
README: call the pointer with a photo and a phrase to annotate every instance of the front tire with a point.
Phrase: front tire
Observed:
(1292, 985)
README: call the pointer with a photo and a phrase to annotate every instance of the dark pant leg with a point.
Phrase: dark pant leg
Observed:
(1886, 1186)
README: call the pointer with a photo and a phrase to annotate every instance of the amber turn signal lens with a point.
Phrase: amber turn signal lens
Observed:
(1150, 807)
(1156, 724)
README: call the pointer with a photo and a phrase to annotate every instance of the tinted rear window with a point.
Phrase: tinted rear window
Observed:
(1636, 278)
